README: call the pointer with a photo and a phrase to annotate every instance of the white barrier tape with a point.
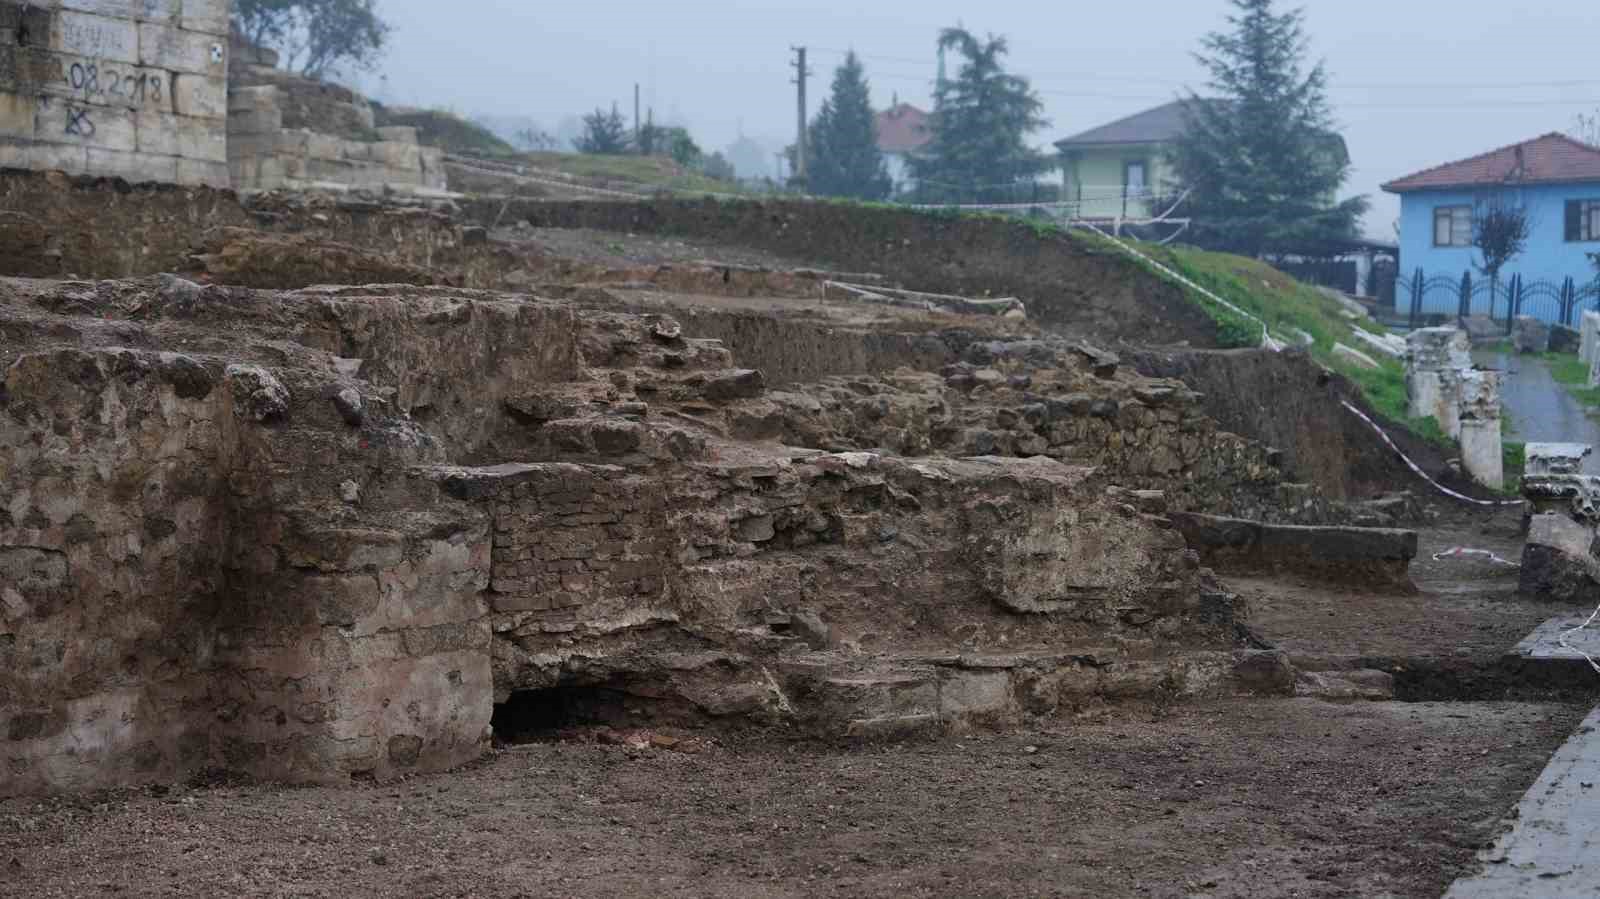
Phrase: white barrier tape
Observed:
(1266, 338)
(1422, 474)
(1460, 552)
(1568, 646)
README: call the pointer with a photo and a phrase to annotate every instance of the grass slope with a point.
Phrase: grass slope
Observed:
(644, 173)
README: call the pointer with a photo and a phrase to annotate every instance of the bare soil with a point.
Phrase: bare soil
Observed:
(1468, 608)
(1223, 798)
(1232, 798)
(615, 248)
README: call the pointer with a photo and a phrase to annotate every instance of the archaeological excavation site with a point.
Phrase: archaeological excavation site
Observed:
(378, 519)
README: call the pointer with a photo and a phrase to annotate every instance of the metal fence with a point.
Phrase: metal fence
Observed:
(1499, 299)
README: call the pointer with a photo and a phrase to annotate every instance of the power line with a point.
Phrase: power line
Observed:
(1350, 85)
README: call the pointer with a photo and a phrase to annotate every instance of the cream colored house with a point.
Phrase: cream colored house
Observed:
(1121, 170)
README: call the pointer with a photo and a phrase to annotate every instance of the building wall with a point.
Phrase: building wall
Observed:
(1096, 178)
(130, 88)
(1548, 255)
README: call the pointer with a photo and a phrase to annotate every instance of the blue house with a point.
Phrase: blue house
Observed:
(1554, 179)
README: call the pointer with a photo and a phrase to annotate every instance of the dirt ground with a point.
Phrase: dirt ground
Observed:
(1468, 609)
(617, 249)
(1237, 797)
(1233, 798)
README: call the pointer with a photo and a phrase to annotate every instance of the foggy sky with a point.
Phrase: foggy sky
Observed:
(1414, 82)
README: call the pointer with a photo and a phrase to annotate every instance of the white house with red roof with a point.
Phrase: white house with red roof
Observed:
(1554, 179)
(902, 131)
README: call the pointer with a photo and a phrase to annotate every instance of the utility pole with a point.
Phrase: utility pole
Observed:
(637, 147)
(801, 74)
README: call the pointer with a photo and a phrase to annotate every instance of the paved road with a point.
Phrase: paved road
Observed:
(1541, 410)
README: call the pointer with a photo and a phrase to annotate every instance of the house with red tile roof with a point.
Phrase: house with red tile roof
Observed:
(1554, 179)
(902, 131)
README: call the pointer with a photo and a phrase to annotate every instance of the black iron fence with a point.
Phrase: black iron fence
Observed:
(1499, 299)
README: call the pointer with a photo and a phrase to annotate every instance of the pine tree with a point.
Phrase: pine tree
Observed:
(1261, 159)
(604, 134)
(981, 119)
(845, 161)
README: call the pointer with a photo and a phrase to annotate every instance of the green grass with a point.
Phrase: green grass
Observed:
(650, 173)
(1570, 372)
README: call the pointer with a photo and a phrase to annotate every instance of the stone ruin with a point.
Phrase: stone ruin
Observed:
(1443, 385)
(331, 533)
(1561, 514)
(158, 91)
(136, 90)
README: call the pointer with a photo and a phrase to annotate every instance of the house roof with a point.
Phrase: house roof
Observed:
(1551, 159)
(902, 128)
(1152, 126)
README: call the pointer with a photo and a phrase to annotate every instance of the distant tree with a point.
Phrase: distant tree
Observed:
(977, 150)
(717, 166)
(604, 134)
(1261, 160)
(1586, 128)
(671, 141)
(844, 158)
(536, 140)
(1500, 232)
(317, 38)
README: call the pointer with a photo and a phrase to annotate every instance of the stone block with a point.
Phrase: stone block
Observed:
(143, 10)
(207, 17)
(1588, 335)
(1576, 496)
(179, 50)
(1558, 561)
(1557, 458)
(97, 82)
(1482, 454)
(137, 168)
(1530, 335)
(1437, 395)
(1369, 556)
(17, 116)
(96, 37)
(1354, 356)
(260, 96)
(201, 172)
(201, 96)
(48, 156)
(203, 140)
(326, 147)
(1437, 349)
(254, 121)
(404, 134)
(1564, 339)
(99, 127)
(393, 155)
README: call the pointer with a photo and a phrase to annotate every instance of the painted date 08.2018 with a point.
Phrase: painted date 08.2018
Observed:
(95, 82)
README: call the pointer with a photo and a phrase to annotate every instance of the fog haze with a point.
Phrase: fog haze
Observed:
(1413, 84)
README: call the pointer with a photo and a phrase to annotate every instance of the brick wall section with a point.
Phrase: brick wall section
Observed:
(129, 88)
(573, 541)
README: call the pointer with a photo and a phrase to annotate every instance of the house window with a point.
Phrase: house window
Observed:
(1583, 220)
(1452, 226)
(1133, 179)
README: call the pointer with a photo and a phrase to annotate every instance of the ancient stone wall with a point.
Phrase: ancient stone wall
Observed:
(315, 536)
(285, 131)
(128, 88)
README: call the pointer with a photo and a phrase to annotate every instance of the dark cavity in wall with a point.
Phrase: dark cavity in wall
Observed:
(528, 716)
